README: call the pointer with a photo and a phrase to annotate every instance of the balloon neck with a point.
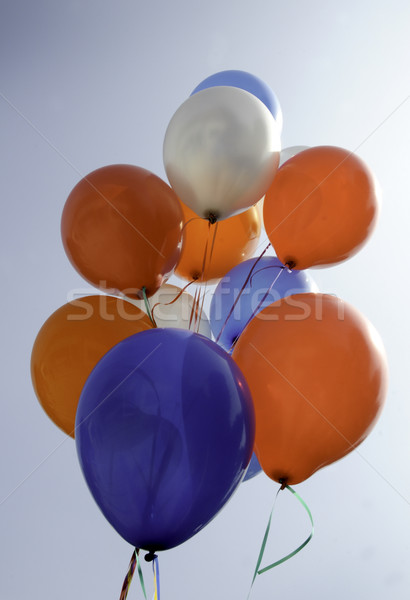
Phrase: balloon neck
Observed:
(212, 217)
(290, 264)
(150, 556)
(283, 482)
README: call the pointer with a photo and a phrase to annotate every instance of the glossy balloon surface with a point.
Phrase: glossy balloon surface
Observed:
(121, 229)
(209, 251)
(165, 431)
(69, 345)
(321, 207)
(248, 288)
(318, 389)
(248, 82)
(221, 151)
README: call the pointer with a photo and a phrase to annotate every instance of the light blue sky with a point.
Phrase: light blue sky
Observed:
(86, 84)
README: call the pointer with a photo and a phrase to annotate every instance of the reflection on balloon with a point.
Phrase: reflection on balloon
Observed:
(167, 422)
(121, 229)
(248, 288)
(165, 431)
(69, 345)
(318, 389)
(209, 251)
(321, 207)
(248, 82)
(221, 151)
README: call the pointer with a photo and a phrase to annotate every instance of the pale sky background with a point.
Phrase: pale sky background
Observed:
(87, 83)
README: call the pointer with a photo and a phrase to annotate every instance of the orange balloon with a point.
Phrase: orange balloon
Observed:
(321, 207)
(121, 229)
(225, 243)
(69, 345)
(317, 373)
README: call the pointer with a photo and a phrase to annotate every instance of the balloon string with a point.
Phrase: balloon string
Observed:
(259, 571)
(202, 309)
(215, 227)
(155, 568)
(147, 307)
(201, 278)
(204, 260)
(172, 301)
(193, 309)
(195, 306)
(254, 313)
(213, 240)
(268, 267)
(189, 221)
(198, 301)
(240, 293)
(134, 562)
(199, 308)
(176, 297)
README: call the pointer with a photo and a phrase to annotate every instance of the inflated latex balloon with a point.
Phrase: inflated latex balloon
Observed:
(69, 345)
(247, 289)
(321, 207)
(171, 307)
(121, 229)
(248, 82)
(317, 373)
(254, 468)
(209, 251)
(289, 152)
(221, 151)
(165, 431)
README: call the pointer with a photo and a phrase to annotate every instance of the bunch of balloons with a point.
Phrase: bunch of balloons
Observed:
(167, 406)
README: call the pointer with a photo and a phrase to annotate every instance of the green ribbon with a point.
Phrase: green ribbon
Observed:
(134, 562)
(140, 575)
(147, 306)
(259, 571)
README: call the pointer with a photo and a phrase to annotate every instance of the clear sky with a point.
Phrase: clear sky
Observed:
(85, 84)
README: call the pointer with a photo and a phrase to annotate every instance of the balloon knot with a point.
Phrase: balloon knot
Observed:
(150, 556)
(283, 482)
(212, 218)
(290, 264)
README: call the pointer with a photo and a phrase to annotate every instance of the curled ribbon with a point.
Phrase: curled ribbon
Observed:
(259, 571)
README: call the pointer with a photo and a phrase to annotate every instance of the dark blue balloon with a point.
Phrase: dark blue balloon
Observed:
(248, 82)
(268, 270)
(164, 433)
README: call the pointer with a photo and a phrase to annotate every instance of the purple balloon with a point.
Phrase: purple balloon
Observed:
(254, 468)
(164, 433)
(248, 82)
(270, 281)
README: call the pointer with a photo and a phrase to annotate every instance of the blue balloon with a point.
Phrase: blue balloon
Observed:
(254, 468)
(248, 82)
(268, 270)
(164, 432)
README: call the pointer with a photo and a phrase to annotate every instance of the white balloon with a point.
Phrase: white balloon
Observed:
(178, 314)
(221, 151)
(289, 152)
